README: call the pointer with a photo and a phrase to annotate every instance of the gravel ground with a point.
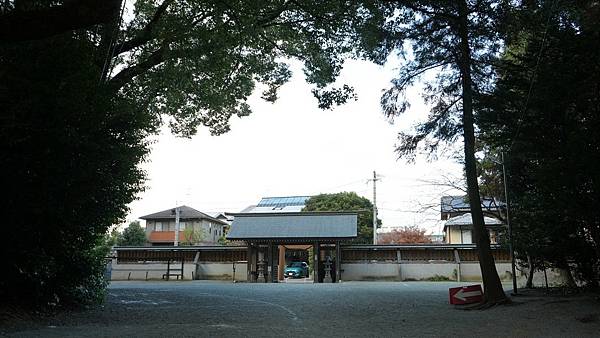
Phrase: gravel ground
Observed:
(350, 309)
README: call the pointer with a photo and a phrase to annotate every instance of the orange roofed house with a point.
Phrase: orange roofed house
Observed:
(160, 227)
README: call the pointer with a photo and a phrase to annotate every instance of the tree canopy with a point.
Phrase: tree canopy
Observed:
(79, 104)
(406, 234)
(196, 62)
(544, 114)
(133, 235)
(69, 164)
(347, 201)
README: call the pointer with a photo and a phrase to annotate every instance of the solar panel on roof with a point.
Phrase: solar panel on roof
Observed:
(283, 201)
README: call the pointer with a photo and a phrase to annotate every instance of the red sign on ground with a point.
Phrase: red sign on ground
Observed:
(466, 294)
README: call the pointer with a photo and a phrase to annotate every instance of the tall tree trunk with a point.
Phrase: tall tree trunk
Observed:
(564, 265)
(491, 281)
(531, 266)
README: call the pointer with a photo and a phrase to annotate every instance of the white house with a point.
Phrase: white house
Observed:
(459, 229)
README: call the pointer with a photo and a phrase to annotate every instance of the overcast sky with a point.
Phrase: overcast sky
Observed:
(294, 148)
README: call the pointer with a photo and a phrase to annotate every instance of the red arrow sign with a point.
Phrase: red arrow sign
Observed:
(466, 294)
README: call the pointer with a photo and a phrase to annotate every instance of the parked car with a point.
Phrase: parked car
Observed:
(296, 270)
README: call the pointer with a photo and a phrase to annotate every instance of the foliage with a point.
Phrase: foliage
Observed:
(112, 238)
(133, 235)
(192, 236)
(427, 35)
(108, 241)
(69, 165)
(347, 201)
(198, 61)
(405, 234)
(78, 107)
(223, 240)
(545, 114)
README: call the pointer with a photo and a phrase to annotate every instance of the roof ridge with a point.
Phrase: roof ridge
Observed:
(167, 213)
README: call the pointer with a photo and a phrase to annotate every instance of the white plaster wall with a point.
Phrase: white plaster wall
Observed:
(469, 271)
(370, 271)
(205, 270)
(221, 271)
(351, 272)
(153, 270)
(555, 278)
(420, 271)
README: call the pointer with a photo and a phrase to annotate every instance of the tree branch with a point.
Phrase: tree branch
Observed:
(405, 80)
(146, 34)
(127, 74)
(422, 10)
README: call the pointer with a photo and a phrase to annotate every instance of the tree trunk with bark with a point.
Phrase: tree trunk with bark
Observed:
(493, 292)
(531, 267)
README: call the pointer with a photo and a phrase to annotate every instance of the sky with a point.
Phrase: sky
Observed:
(292, 148)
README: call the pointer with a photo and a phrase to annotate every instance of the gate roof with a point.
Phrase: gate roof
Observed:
(294, 226)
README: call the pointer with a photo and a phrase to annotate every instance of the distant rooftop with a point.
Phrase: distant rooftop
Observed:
(461, 204)
(467, 219)
(278, 204)
(185, 212)
(283, 201)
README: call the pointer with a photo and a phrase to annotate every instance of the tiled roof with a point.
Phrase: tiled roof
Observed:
(293, 225)
(467, 219)
(185, 212)
(461, 204)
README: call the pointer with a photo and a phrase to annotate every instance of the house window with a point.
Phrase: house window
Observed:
(181, 225)
(158, 226)
(466, 237)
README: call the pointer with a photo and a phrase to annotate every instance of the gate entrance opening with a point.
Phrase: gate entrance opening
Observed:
(274, 239)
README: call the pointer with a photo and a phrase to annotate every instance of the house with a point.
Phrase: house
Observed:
(452, 206)
(160, 227)
(278, 204)
(459, 229)
(223, 216)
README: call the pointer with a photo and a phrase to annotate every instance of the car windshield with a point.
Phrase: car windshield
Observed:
(295, 265)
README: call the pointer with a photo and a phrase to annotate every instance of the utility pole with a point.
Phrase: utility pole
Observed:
(176, 241)
(374, 179)
(511, 247)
